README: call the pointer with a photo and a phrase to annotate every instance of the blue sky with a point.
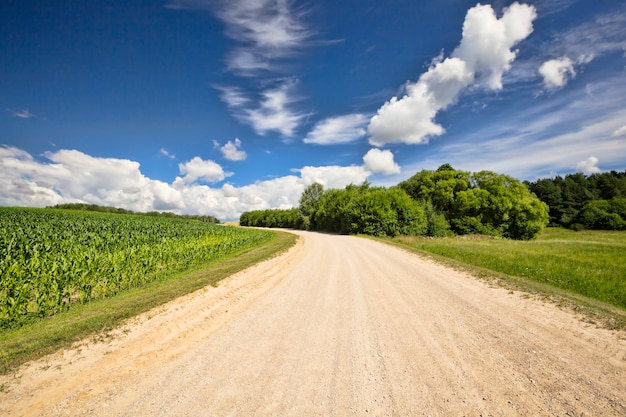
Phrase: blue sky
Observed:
(218, 107)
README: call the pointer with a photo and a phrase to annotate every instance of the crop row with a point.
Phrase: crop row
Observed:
(50, 259)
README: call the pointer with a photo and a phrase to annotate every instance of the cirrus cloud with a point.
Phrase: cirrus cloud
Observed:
(337, 130)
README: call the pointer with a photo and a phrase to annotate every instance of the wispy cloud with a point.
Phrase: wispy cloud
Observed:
(603, 34)
(266, 31)
(337, 130)
(164, 152)
(234, 97)
(266, 34)
(22, 114)
(579, 45)
(273, 112)
(621, 131)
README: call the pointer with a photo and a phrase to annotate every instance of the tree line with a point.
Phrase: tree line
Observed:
(431, 203)
(117, 210)
(577, 201)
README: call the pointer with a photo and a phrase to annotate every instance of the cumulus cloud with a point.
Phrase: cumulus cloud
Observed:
(557, 72)
(232, 151)
(336, 130)
(378, 161)
(72, 176)
(589, 166)
(549, 137)
(482, 57)
(199, 169)
(333, 176)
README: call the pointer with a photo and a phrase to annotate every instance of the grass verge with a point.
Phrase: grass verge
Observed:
(45, 336)
(584, 271)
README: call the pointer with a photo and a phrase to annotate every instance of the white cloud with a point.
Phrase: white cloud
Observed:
(72, 176)
(589, 166)
(336, 130)
(619, 131)
(164, 152)
(549, 137)
(234, 97)
(378, 161)
(334, 176)
(273, 113)
(483, 55)
(556, 72)
(487, 40)
(595, 37)
(22, 114)
(232, 151)
(199, 169)
(267, 30)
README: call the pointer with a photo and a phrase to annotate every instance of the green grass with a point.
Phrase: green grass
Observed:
(44, 336)
(587, 264)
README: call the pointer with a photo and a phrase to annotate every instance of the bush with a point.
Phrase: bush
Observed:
(484, 202)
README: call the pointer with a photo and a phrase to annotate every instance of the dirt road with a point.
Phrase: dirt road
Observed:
(338, 326)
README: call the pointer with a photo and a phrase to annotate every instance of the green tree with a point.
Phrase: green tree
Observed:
(484, 202)
(604, 214)
(370, 210)
(309, 203)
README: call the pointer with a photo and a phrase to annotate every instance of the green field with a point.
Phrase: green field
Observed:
(588, 263)
(87, 257)
(52, 259)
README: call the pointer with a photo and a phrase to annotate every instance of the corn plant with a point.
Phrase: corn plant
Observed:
(51, 259)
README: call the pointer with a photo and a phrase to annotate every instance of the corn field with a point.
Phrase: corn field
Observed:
(50, 259)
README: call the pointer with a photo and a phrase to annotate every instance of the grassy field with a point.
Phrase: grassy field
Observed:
(72, 274)
(591, 264)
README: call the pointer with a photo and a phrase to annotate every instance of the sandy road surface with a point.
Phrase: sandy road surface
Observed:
(338, 326)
